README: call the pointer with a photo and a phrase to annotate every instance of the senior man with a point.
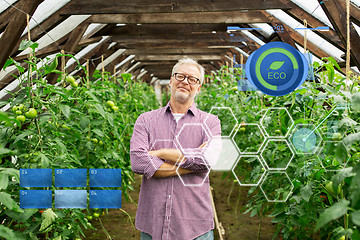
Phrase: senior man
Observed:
(166, 148)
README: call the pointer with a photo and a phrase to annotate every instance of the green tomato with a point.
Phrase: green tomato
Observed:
(336, 136)
(329, 187)
(15, 108)
(94, 140)
(70, 79)
(115, 108)
(110, 103)
(335, 162)
(74, 84)
(18, 112)
(277, 131)
(89, 217)
(101, 143)
(96, 215)
(342, 238)
(21, 118)
(21, 107)
(31, 113)
(77, 238)
(242, 129)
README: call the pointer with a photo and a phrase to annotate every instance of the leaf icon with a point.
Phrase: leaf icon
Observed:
(276, 65)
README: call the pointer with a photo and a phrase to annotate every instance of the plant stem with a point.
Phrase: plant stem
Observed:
(259, 230)
(132, 224)
(230, 193)
(104, 230)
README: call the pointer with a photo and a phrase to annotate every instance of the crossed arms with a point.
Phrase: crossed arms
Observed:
(171, 156)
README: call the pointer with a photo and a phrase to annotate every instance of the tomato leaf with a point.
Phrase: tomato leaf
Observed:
(4, 180)
(355, 216)
(23, 135)
(65, 109)
(8, 63)
(6, 200)
(333, 61)
(8, 233)
(84, 122)
(306, 192)
(341, 175)
(100, 110)
(332, 213)
(4, 151)
(355, 235)
(48, 217)
(21, 217)
(98, 132)
(276, 65)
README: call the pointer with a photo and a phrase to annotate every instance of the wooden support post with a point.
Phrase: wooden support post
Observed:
(15, 28)
(335, 10)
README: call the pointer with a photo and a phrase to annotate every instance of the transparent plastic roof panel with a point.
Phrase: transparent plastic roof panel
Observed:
(311, 36)
(44, 11)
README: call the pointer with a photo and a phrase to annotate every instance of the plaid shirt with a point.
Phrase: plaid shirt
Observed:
(173, 208)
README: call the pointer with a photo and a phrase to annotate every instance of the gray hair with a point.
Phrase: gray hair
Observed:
(191, 62)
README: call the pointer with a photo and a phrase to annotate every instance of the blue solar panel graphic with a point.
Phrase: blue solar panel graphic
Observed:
(105, 198)
(35, 177)
(70, 177)
(70, 199)
(105, 177)
(35, 198)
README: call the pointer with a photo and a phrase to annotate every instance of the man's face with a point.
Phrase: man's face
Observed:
(182, 91)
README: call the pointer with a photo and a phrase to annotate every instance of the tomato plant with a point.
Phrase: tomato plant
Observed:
(59, 131)
(314, 209)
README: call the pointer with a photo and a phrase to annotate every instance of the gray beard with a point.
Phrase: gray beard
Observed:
(182, 99)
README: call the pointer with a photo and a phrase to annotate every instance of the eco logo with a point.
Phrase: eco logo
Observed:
(276, 68)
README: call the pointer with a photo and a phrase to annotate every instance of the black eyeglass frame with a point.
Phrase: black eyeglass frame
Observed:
(187, 77)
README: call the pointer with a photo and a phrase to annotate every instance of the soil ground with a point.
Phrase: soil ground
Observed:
(236, 225)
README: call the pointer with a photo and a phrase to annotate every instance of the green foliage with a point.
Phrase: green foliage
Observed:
(60, 134)
(311, 211)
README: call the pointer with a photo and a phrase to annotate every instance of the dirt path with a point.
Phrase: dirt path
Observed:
(237, 225)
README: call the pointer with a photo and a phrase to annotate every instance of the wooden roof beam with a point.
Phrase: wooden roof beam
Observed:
(7, 15)
(48, 24)
(283, 32)
(69, 48)
(336, 13)
(15, 28)
(176, 57)
(170, 51)
(81, 7)
(155, 28)
(300, 14)
(229, 17)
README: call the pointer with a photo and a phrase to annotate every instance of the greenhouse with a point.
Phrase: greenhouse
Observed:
(180, 120)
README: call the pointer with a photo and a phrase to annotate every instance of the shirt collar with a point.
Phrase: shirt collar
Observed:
(193, 109)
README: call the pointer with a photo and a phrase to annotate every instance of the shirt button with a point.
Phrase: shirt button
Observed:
(169, 196)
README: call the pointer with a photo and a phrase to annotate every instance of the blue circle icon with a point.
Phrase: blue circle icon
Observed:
(276, 68)
(304, 140)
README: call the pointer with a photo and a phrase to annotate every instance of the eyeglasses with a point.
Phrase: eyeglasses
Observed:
(191, 80)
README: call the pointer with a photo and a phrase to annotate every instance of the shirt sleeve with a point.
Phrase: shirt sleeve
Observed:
(141, 161)
(195, 158)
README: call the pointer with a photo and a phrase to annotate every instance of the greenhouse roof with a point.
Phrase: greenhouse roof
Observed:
(146, 38)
